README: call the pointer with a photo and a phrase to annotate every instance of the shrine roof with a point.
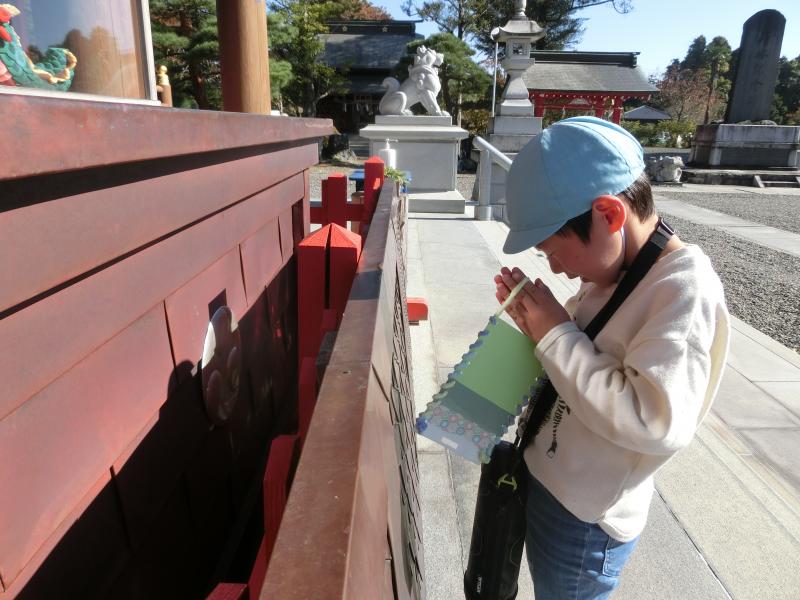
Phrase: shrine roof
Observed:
(367, 44)
(646, 113)
(586, 72)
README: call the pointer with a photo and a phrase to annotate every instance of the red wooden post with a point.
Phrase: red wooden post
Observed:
(373, 172)
(311, 267)
(345, 252)
(334, 200)
(229, 591)
(307, 396)
(276, 486)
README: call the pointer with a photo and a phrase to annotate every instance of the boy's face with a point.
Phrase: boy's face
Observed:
(599, 261)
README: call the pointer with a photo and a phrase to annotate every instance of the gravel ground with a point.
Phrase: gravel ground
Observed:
(320, 172)
(762, 286)
(774, 210)
(465, 183)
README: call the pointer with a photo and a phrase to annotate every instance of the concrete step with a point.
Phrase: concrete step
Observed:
(775, 180)
(436, 202)
(781, 184)
(746, 177)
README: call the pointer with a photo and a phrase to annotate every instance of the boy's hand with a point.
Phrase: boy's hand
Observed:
(535, 310)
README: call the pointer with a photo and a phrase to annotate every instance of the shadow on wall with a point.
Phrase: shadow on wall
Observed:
(185, 509)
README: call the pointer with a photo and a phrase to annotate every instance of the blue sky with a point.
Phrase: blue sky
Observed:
(662, 30)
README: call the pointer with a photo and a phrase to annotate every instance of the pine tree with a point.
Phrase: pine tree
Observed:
(185, 40)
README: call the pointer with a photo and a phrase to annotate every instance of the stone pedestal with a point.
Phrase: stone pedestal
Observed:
(509, 135)
(746, 146)
(427, 147)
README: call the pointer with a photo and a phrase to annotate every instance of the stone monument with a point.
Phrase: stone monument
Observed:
(743, 140)
(514, 124)
(426, 145)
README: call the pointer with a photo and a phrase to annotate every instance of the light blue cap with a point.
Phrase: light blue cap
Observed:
(560, 172)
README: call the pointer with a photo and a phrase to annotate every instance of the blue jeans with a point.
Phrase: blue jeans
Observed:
(569, 558)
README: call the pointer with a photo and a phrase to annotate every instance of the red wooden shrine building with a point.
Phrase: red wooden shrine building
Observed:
(163, 301)
(595, 83)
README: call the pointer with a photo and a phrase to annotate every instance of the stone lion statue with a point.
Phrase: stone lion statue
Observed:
(421, 86)
(665, 168)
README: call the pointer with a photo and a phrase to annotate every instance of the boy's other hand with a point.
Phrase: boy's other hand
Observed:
(535, 310)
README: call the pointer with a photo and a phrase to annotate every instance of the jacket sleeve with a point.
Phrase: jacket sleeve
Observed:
(652, 398)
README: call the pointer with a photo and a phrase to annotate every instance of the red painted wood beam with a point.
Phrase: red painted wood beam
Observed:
(276, 486)
(345, 250)
(307, 396)
(311, 269)
(229, 591)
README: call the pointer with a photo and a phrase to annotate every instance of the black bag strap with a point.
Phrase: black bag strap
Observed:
(542, 401)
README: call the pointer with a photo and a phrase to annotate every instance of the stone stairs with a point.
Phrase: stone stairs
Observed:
(776, 180)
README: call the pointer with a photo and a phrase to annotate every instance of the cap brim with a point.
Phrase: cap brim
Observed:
(519, 241)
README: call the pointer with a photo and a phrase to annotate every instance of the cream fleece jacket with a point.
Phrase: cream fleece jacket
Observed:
(631, 399)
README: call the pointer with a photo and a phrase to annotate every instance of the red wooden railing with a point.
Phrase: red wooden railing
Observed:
(327, 260)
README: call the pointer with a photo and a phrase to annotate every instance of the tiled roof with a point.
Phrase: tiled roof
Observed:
(586, 72)
(365, 51)
(646, 113)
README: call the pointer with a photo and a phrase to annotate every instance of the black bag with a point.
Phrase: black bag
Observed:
(498, 530)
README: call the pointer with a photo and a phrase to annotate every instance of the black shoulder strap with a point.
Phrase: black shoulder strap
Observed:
(542, 402)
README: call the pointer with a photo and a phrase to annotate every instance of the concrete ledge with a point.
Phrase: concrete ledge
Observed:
(417, 120)
(436, 202)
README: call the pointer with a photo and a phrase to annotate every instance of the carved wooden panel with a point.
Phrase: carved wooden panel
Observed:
(402, 412)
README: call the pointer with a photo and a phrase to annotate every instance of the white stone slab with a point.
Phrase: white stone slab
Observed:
(413, 132)
(745, 530)
(436, 202)
(515, 125)
(758, 363)
(742, 404)
(428, 153)
(416, 120)
(785, 392)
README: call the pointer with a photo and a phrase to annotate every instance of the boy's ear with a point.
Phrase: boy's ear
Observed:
(612, 210)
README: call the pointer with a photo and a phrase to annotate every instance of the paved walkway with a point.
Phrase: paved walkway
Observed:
(725, 521)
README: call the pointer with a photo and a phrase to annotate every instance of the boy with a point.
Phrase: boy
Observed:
(630, 399)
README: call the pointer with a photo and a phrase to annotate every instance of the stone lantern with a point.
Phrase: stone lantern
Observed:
(518, 35)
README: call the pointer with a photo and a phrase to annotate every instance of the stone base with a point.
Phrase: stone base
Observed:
(437, 202)
(427, 147)
(747, 146)
(416, 120)
(515, 125)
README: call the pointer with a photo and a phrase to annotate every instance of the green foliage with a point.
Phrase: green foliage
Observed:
(475, 120)
(673, 134)
(185, 40)
(460, 77)
(295, 28)
(696, 88)
(786, 108)
(395, 175)
(459, 17)
(695, 55)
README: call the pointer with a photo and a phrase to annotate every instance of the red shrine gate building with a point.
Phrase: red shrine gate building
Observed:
(597, 83)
